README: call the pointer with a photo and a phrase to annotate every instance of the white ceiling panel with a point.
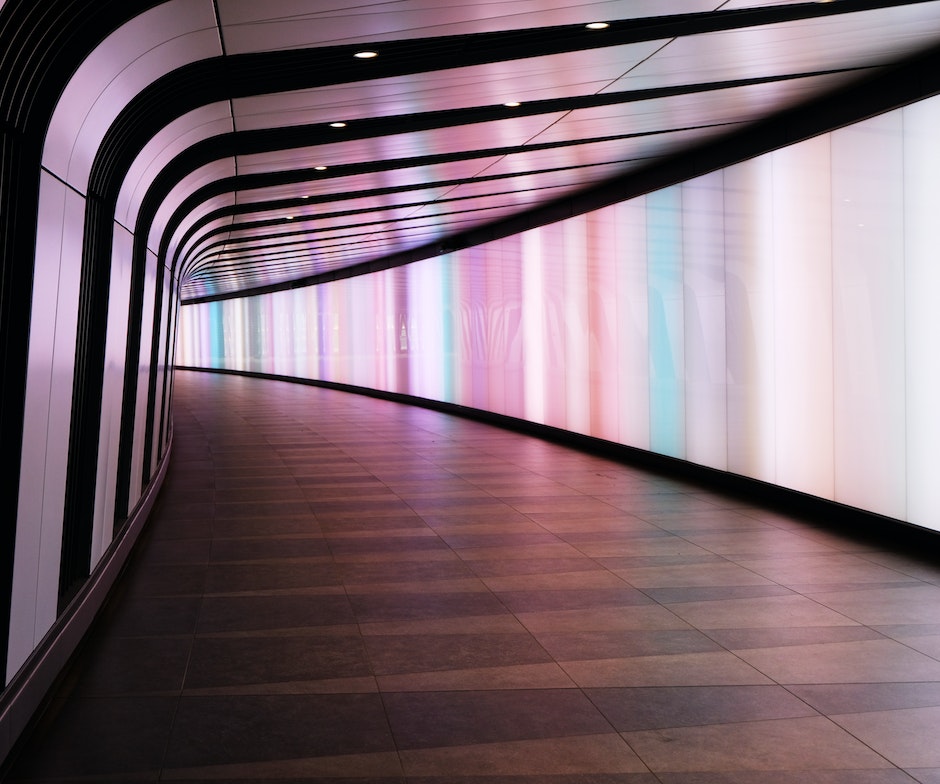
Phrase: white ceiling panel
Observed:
(858, 40)
(250, 26)
(511, 132)
(538, 78)
(396, 178)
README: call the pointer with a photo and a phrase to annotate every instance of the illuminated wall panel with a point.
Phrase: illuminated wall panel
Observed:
(802, 310)
(922, 314)
(775, 319)
(533, 321)
(868, 315)
(602, 334)
(666, 345)
(749, 255)
(632, 358)
(703, 248)
(576, 324)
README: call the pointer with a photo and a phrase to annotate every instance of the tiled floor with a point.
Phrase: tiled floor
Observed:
(342, 589)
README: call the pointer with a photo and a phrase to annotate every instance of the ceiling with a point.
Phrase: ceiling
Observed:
(472, 113)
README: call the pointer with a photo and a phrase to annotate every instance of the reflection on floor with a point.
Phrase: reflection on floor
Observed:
(337, 588)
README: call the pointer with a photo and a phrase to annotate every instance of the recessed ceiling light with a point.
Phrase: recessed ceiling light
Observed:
(366, 55)
(319, 168)
(512, 104)
(338, 125)
(290, 217)
(597, 25)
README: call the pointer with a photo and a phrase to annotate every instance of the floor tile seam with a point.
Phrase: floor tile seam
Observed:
(905, 709)
(524, 630)
(855, 621)
(179, 696)
(839, 729)
(580, 734)
(813, 712)
(869, 556)
(793, 688)
(907, 645)
(734, 652)
(725, 558)
(644, 591)
(876, 636)
(862, 741)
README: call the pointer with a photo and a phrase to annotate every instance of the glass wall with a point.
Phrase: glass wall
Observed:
(776, 319)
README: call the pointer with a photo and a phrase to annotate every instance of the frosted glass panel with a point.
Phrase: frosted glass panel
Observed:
(703, 250)
(922, 316)
(868, 314)
(776, 319)
(802, 312)
(666, 327)
(749, 254)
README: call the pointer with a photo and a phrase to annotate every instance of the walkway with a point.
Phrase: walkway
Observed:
(337, 588)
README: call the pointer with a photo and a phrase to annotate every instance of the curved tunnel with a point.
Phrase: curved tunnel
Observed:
(646, 232)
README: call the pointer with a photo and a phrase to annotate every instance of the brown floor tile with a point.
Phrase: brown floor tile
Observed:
(231, 661)
(590, 759)
(434, 719)
(100, 736)
(571, 646)
(217, 730)
(801, 744)
(242, 613)
(392, 655)
(683, 669)
(868, 697)
(636, 709)
(419, 606)
(862, 661)
(571, 599)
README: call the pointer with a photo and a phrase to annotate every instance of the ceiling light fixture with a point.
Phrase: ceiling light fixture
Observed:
(597, 25)
(366, 55)
(337, 125)
(512, 104)
(319, 168)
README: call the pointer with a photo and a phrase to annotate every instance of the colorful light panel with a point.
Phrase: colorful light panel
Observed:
(776, 319)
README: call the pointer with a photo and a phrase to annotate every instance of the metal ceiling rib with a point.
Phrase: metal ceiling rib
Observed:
(429, 149)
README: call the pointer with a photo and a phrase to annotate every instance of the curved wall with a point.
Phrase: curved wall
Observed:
(51, 562)
(775, 319)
